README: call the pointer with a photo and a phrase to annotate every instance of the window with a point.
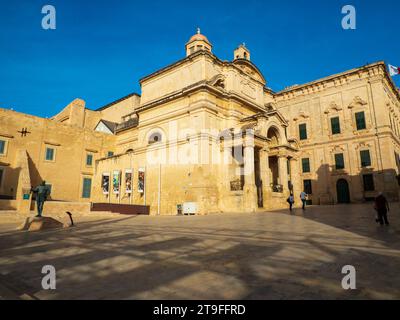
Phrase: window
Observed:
(49, 154)
(339, 161)
(335, 125)
(155, 137)
(303, 131)
(89, 160)
(86, 188)
(305, 162)
(110, 154)
(307, 187)
(2, 147)
(365, 158)
(360, 121)
(368, 180)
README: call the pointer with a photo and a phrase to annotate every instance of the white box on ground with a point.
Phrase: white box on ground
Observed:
(189, 208)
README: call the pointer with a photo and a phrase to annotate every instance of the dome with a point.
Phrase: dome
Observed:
(199, 37)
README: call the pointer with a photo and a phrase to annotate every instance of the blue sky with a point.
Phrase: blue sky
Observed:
(101, 49)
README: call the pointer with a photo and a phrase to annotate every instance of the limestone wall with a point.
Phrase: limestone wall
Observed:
(343, 97)
(71, 145)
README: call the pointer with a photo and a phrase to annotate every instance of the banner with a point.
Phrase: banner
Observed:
(141, 180)
(116, 181)
(128, 181)
(105, 183)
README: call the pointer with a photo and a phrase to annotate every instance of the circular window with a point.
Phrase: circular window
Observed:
(155, 137)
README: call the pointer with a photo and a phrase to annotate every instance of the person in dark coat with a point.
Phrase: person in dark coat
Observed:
(382, 207)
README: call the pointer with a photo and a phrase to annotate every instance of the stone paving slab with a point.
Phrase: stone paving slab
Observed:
(272, 255)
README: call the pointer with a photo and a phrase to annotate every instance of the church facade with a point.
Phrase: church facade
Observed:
(208, 136)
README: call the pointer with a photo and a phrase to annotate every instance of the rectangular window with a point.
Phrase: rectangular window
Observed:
(307, 186)
(339, 161)
(368, 180)
(49, 154)
(89, 160)
(110, 154)
(335, 125)
(360, 121)
(303, 131)
(2, 147)
(365, 158)
(86, 189)
(305, 162)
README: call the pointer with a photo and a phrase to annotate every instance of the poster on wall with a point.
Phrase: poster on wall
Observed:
(116, 181)
(128, 181)
(105, 183)
(141, 180)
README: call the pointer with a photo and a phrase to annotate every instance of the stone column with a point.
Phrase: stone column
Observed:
(249, 190)
(265, 175)
(295, 177)
(283, 176)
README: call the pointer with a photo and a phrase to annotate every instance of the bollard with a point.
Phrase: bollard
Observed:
(70, 217)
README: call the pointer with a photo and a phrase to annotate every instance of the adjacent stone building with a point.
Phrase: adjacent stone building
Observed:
(207, 135)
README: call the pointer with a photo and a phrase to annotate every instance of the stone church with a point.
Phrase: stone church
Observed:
(207, 136)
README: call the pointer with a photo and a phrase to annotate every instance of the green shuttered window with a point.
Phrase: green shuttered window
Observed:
(365, 158)
(335, 125)
(303, 131)
(2, 146)
(360, 121)
(339, 161)
(305, 162)
(49, 154)
(87, 186)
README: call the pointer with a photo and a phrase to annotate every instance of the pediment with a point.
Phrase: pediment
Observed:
(357, 101)
(249, 68)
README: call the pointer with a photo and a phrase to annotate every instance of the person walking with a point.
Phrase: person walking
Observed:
(290, 200)
(382, 207)
(303, 197)
(42, 192)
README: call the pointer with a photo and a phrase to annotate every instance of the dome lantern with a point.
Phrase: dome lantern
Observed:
(197, 42)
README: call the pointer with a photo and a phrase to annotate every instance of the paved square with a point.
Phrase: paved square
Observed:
(249, 256)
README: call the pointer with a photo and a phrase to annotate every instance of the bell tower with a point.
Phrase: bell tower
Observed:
(241, 52)
(196, 43)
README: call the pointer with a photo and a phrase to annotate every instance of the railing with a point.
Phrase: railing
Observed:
(131, 123)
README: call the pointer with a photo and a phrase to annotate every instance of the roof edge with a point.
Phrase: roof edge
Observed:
(116, 101)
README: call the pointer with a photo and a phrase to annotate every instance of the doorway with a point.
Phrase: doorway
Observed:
(343, 192)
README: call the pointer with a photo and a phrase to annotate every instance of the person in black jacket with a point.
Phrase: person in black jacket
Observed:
(382, 207)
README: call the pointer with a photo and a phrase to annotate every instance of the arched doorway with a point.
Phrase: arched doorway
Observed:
(342, 190)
